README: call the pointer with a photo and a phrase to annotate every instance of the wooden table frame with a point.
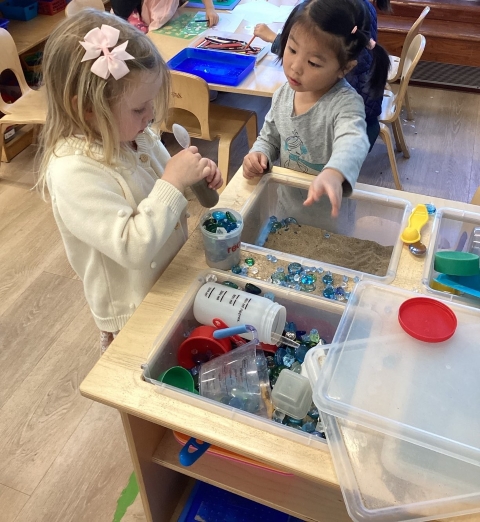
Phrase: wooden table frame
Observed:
(149, 416)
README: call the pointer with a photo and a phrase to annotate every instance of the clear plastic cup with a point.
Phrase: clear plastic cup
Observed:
(239, 379)
(222, 251)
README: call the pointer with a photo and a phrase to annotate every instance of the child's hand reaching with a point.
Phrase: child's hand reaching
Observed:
(188, 167)
(254, 165)
(212, 16)
(264, 32)
(328, 182)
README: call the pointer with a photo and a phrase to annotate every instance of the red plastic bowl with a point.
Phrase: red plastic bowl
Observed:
(198, 344)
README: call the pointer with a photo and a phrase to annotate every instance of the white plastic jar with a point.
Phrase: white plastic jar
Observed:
(235, 307)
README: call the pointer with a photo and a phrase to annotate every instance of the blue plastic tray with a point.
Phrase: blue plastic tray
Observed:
(212, 66)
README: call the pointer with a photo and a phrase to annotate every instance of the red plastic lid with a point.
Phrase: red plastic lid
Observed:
(427, 320)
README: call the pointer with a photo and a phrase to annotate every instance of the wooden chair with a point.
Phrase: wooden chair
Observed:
(31, 107)
(396, 63)
(392, 106)
(191, 108)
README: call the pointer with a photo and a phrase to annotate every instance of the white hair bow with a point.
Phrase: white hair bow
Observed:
(112, 62)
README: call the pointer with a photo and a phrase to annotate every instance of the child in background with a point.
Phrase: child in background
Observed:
(117, 196)
(358, 77)
(155, 13)
(316, 123)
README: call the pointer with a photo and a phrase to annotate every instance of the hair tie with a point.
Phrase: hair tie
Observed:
(354, 30)
(371, 44)
(98, 41)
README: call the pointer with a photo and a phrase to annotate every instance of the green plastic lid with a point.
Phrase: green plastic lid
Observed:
(451, 262)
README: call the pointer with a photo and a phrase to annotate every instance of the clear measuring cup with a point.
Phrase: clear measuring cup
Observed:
(238, 378)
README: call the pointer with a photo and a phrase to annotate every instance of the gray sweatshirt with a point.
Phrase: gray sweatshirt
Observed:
(330, 134)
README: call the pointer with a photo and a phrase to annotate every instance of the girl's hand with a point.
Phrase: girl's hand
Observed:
(264, 32)
(187, 168)
(254, 165)
(211, 16)
(328, 182)
(214, 179)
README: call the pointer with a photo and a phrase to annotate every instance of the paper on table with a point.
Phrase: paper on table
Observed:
(228, 22)
(264, 12)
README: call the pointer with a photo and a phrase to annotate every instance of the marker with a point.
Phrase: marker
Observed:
(201, 20)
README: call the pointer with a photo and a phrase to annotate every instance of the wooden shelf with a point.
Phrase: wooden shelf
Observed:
(294, 495)
(22, 139)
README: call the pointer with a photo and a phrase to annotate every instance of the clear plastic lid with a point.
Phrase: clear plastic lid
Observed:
(386, 479)
(379, 376)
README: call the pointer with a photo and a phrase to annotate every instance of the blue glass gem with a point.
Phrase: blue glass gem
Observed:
(274, 259)
(308, 279)
(230, 217)
(294, 422)
(288, 360)
(430, 208)
(314, 336)
(313, 413)
(345, 279)
(308, 288)
(319, 270)
(279, 355)
(305, 338)
(309, 427)
(356, 279)
(276, 225)
(339, 291)
(230, 284)
(326, 235)
(291, 221)
(272, 219)
(236, 269)
(250, 261)
(300, 353)
(300, 333)
(329, 292)
(347, 295)
(252, 289)
(278, 416)
(244, 271)
(327, 279)
(290, 327)
(280, 269)
(219, 215)
(269, 295)
(277, 278)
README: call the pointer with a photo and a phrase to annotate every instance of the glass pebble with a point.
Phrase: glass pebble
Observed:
(244, 271)
(276, 225)
(252, 289)
(308, 279)
(220, 231)
(250, 261)
(309, 427)
(291, 221)
(326, 235)
(274, 259)
(280, 269)
(231, 284)
(329, 292)
(296, 367)
(294, 422)
(347, 295)
(430, 208)
(327, 279)
(230, 217)
(297, 287)
(314, 336)
(278, 416)
(308, 288)
(290, 327)
(288, 360)
(356, 279)
(210, 278)
(269, 295)
(219, 215)
(279, 355)
(272, 219)
(345, 279)
(320, 270)
(236, 269)
(339, 291)
(294, 268)
(305, 338)
(296, 277)
(254, 270)
(300, 353)
(269, 257)
(313, 413)
(277, 278)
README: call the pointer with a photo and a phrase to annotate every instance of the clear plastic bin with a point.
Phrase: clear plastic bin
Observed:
(363, 215)
(306, 311)
(452, 230)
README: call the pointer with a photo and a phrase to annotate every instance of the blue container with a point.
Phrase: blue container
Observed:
(19, 9)
(212, 66)
(4, 23)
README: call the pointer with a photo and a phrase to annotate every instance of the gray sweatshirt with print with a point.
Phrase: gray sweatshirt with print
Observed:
(330, 134)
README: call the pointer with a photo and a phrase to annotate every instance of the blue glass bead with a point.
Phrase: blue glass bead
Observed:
(274, 259)
(329, 292)
(300, 353)
(290, 327)
(320, 270)
(296, 277)
(291, 221)
(308, 279)
(244, 271)
(430, 208)
(339, 291)
(219, 215)
(269, 257)
(250, 261)
(356, 279)
(278, 416)
(313, 413)
(326, 235)
(305, 338)
(309, 427)
(276, 225)
(272, 219)
(294, 422)
(236, 402)
(314, 336)
(290, 350)
(347, 295)
(230, 283)
(288, 360)
(308, 288)
(269, 295)
(277, 278)
(280, 269)
(294, 268)
(327, 279)
(297, 287)
(279, 355)
(300, 333)
(236, 269)
(345, 279)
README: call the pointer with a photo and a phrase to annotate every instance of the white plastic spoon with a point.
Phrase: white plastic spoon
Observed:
(206, 196)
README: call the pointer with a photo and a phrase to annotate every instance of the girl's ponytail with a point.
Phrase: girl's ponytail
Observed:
(379, 70)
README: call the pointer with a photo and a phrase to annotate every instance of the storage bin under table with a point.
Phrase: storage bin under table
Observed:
(363, 215)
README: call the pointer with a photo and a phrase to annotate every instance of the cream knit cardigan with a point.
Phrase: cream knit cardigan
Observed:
(121, 226)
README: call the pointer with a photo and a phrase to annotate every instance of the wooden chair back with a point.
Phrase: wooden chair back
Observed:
(9, 60)
(190, 105)
(414, 30)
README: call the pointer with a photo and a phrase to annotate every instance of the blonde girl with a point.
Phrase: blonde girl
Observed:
(117, 195)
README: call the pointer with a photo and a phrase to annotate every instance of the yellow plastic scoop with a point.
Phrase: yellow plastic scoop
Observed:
(417, 219)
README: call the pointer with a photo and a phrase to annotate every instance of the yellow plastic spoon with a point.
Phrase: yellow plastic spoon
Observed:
(416, 221)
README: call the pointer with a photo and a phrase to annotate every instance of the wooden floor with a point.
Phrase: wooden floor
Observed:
(64, 458)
